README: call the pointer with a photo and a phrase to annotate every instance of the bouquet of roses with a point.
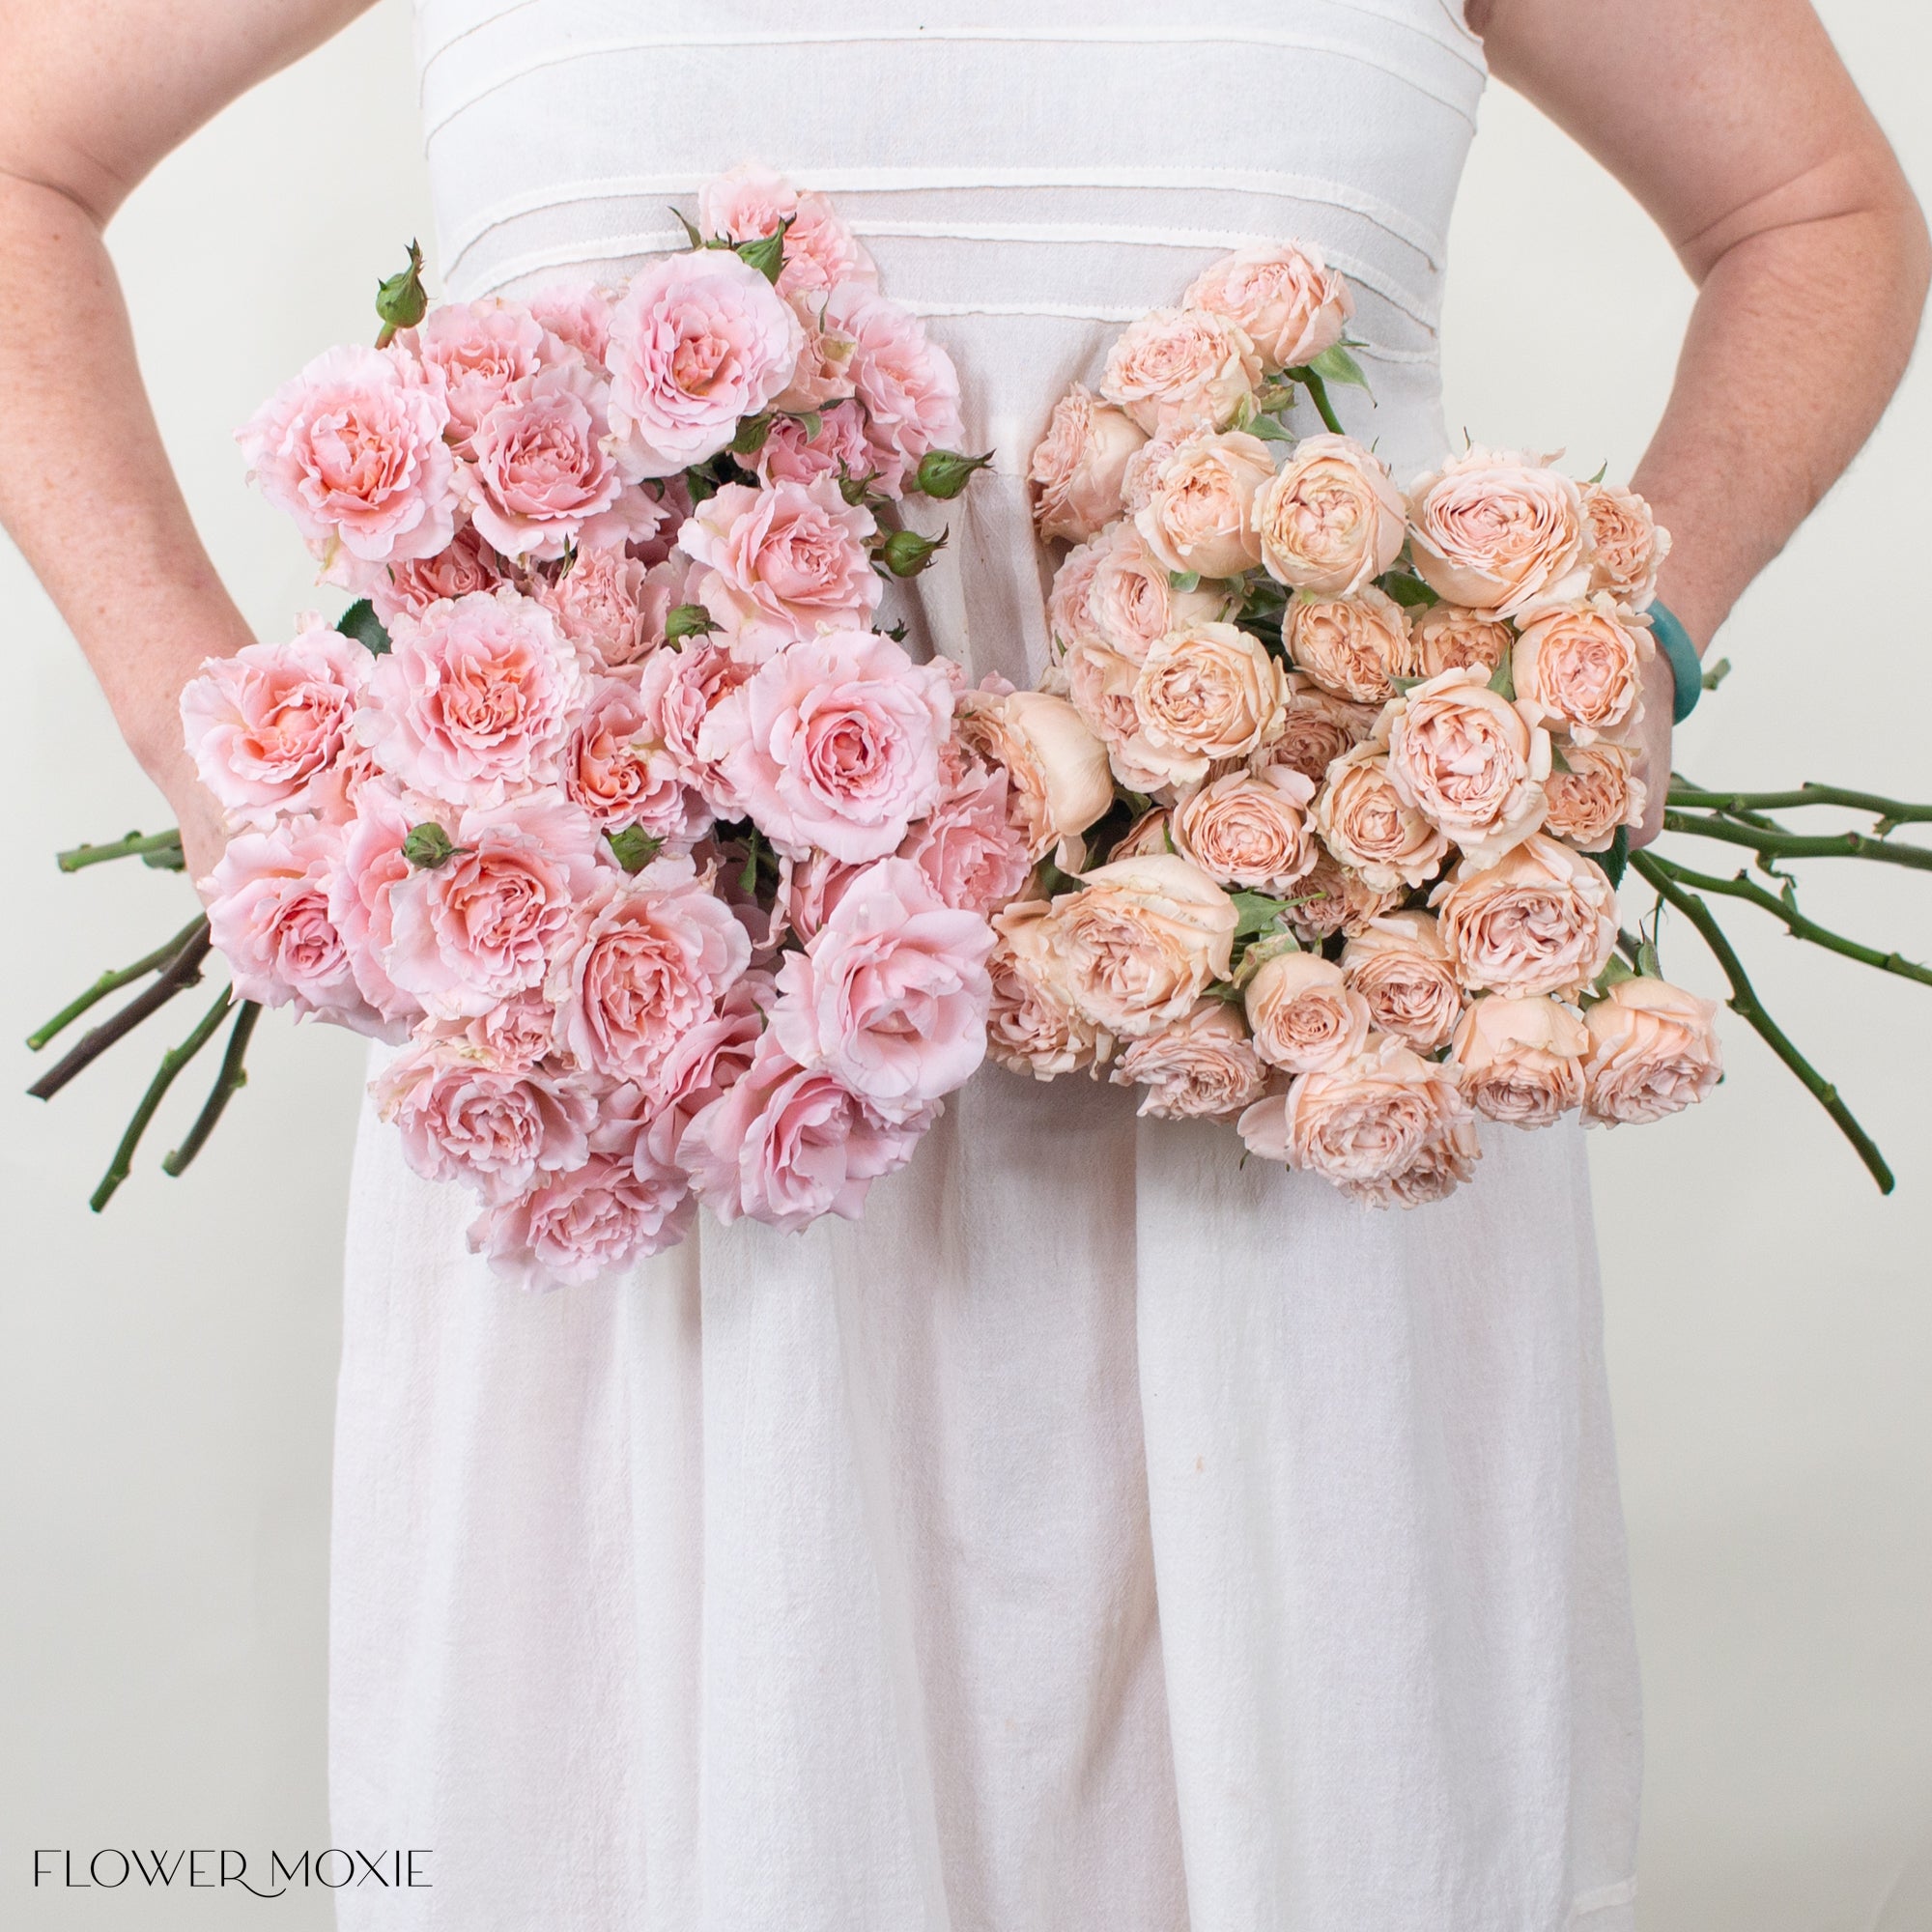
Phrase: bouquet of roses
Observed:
(608, 802)
(1354, 785)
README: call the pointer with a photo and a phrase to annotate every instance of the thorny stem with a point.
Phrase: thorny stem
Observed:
(1745, 1003)
(1739, 804)
(172, 1063)
(183, 970)
(1781, 844)
(227, 1082)
(1746, 888)
(111, 983)
(152, 845)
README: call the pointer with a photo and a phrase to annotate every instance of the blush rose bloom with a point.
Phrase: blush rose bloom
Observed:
(1139, 945)
(792, 454)
(969, 849)
(750, 202)
(835, 743)
(787, 1144)
(1202, 1067)
(484, 924)
(409, 588)
(361, 888)
(1030, 1028)
(1199, 513)
(1206, 694)
(612, 605)
(1498, 532)
(1599, 791)
(1177, 370)
(679, 690)
(576, 313)
(1351, 646)
(1369, 824)
(1520, 1061)
(1148, 834)
(890, 996)
(1336, 899)
(1282, 297)
(1400, 967)
(1541, 920)
(1305, 1016)
(1580, 670)
(1060, 779)
(698, 342)
(1361, 1123)
(1316, 730)
(643, 960)
(1330, 519)
(1250, 830)
(473, 701)
(475, 353)
(464, 1117)
(611, 769)
(781, 563)
(1448, 637)
(1131, 604)
(353, 449)
(1078, 465)
(1469, 761)
(704, 1064)
(266, 726)
(575, 1226)
(1653, 1051)
(1627, 545)
(905, 383)
(269, 916)
(541, 480)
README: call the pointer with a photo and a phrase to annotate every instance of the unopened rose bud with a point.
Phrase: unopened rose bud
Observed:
(402, 301)
(945, 473)
(428, 846)
(905, 552)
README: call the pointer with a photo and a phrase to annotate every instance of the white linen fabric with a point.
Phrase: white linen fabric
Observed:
(1103, 1535)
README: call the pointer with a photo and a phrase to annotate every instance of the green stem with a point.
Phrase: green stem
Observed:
(1745, 1003)
(232, 1077)
(1745, 887)
(154, 846)
(1777, 845)
(1318, 394)
(172, 1063)
(111, 983)
(183, 970)
(1898, 811)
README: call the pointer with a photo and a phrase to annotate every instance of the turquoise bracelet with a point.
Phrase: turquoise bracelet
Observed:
(1685, 668)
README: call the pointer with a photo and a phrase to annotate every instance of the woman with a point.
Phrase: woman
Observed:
(1100, 1534)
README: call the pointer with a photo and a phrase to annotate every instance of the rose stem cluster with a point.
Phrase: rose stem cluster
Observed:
(1742, 818)
(177, 965)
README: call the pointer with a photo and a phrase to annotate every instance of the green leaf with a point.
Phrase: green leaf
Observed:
(1615, 972)
(1603, 471)
(1406, 684)
(748, 879)
(401, 302)
(945, 473)
(690, 228)
(702, 484)
(811, 422)
(767, 253)
(1617, 858)
(1336, 365)
(634, 847)
(360, 623)
(1557, 761)
(1245, 414)
(428, 845)
(1410, 592)
(1647, 961)
(1055, 883)
(687, 621)
(753, 434)
(1184, 580)
(1256, 913)
(1502, 680)
(1716, 674)
(1270, 429)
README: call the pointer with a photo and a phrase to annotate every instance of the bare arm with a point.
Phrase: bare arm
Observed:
(1735, 126)
(92, 92)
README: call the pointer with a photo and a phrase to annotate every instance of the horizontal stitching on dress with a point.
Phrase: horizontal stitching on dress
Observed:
(1014, 35)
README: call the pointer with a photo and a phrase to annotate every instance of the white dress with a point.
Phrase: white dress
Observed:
(1102, 1536)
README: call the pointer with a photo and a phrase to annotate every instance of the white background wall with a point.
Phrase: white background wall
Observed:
(166, 1371)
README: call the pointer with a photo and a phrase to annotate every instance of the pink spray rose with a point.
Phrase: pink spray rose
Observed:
(611, 769)
(475, 354)
(890, 996)
(968, 846)
(905, 382)
(578, 313)
(698, 342)
(781, 563)
(679, 690)
(465, 565)
(644, 959)
(484, 924)
(472, 703)
(270, 920)
(370, 867)
(353, 449)
(265, 726)
(835, 742)
(462, 1117)
(750, 202)
(787, 1144)
(612, 606)
(793, 453)
(573, 1227)
(706, 1063)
